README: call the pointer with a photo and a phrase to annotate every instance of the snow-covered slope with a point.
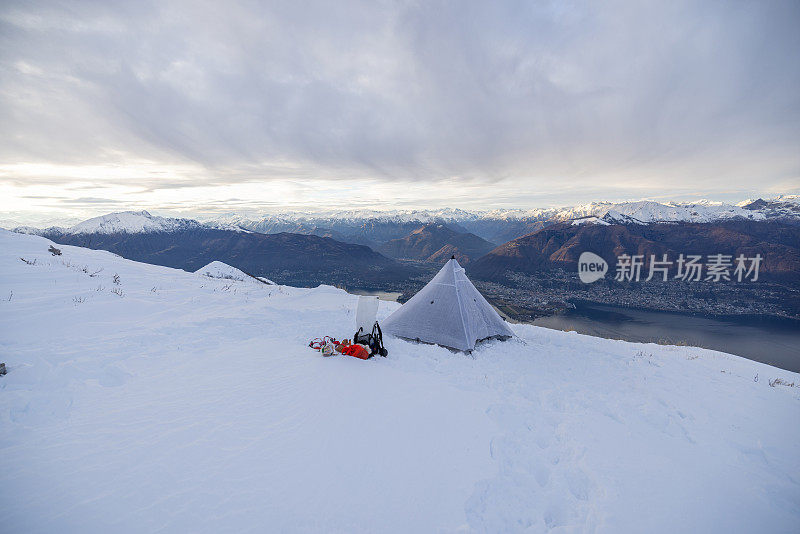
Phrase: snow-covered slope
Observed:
(167, 401)
(130, 222)
(223, 271)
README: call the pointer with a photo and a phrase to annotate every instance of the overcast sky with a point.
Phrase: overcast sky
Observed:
(225, 106)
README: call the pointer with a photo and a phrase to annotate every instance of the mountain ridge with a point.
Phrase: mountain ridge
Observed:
(286, 258)
(560, 245)
(436, 242)
(374, 228)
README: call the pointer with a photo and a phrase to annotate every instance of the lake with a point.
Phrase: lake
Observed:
(771, 340)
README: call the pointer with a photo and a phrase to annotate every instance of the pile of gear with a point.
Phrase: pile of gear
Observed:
(365, 344)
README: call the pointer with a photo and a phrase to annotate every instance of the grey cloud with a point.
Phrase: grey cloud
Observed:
(420, 91)
(88, 203)
(85, 187)
(91, 200)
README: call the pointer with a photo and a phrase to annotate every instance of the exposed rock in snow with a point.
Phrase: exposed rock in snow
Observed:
(589, 220)
(615, 217)
(110, 420)
(782, 207)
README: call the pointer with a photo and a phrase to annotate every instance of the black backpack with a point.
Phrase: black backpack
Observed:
(374, 340)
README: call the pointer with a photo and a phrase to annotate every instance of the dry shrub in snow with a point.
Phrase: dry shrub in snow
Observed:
(780, 382)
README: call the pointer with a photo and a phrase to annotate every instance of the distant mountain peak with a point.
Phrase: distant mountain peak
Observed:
(781, 207)
(132, 222)
(129, 222)
(437, 241)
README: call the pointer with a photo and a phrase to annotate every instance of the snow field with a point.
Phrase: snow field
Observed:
(223, 271)
(184, 403)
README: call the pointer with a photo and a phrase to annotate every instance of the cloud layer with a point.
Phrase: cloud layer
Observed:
(526, 100)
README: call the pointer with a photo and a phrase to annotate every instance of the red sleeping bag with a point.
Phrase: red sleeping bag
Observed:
(356, 350)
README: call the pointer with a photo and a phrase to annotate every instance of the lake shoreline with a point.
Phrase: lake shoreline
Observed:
(706, 315)
(766, 339)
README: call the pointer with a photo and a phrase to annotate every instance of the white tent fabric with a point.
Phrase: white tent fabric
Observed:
(449, 311)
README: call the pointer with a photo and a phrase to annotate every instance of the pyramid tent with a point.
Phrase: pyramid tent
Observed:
(449, 311)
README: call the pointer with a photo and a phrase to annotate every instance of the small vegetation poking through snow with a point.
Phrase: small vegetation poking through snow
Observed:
(780, 382)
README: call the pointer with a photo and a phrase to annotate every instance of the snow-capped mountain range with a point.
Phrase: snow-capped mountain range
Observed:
(373, 228)
(130, 222)
(498, 226)
(642, 211)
